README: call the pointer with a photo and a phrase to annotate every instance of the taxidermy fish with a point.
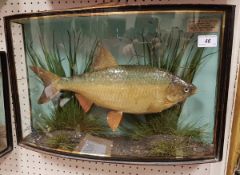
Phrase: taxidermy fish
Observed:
(122, 89)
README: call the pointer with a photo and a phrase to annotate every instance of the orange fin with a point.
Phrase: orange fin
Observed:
(103, 60)
(114, 118)
(85, 103)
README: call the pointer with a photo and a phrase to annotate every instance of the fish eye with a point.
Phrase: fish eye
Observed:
(186, 89)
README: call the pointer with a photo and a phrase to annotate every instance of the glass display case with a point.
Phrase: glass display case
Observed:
(5, 117)
(137, 84)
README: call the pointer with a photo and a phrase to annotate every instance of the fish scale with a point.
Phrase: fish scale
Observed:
(131, 73)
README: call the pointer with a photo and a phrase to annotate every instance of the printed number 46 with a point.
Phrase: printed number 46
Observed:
(208, 40)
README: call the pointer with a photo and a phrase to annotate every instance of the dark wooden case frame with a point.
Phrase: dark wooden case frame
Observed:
(6, 103)
(222, 80)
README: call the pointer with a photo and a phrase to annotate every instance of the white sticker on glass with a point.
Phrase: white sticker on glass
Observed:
(207, 41)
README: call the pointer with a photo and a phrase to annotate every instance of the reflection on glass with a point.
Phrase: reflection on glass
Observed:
(3, 134)
(137, 86)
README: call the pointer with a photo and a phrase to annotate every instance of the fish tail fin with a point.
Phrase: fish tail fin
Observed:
(50, 81)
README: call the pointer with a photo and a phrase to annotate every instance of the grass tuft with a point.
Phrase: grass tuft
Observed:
(51, 59)
(61, 141)
(69, 117)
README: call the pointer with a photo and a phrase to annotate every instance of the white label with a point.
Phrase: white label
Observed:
(94, 145)
(207, 41)
(91, 147)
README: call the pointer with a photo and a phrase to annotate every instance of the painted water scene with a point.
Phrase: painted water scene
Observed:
(136, 85)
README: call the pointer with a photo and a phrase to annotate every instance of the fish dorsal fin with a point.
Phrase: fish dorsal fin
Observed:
(104, 60)
(114, 118)
(85, 103)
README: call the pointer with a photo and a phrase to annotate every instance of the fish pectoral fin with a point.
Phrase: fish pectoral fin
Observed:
(84, 102)
(103, 60)
(168, 102)
(114, 118)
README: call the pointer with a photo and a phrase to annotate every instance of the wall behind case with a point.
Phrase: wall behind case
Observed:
(23, 161)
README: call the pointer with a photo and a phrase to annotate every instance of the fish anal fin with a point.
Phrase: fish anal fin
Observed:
(113, 119)
(84, 102)
(103, 60)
